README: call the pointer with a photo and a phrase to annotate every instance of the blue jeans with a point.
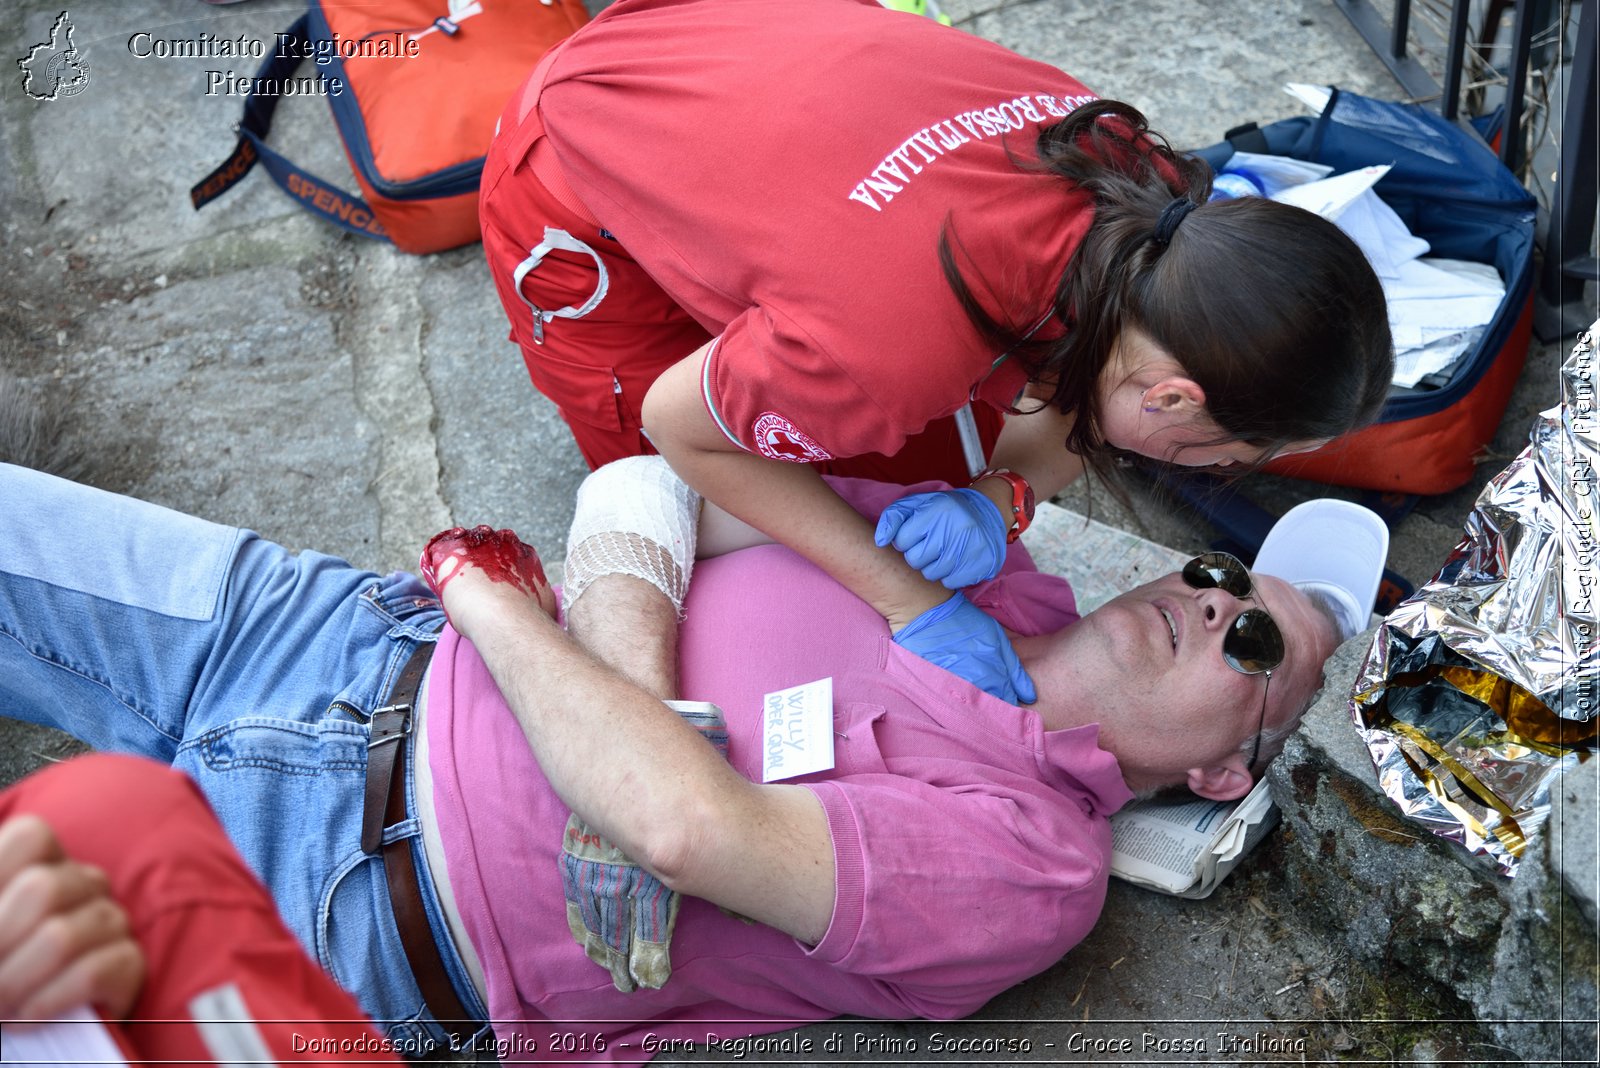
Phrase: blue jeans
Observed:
(141, 630)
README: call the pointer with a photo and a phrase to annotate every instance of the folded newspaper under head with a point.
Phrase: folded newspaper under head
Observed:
(1481, 688)
(1187, 847)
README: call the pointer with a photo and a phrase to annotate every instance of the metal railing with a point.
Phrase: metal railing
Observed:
(1570, 229)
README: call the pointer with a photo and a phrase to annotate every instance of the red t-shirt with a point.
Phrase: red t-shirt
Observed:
(784, 173)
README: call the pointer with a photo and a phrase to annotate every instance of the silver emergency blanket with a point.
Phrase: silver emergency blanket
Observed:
(1481, 688)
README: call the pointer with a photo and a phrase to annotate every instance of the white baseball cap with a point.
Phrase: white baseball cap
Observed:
(1332, 548)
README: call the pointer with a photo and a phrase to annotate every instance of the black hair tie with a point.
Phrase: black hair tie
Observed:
(1171, 216)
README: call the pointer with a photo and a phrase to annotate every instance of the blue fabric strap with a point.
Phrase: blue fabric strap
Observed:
(312, 193)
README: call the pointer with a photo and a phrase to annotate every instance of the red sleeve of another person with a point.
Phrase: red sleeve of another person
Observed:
(212, 939)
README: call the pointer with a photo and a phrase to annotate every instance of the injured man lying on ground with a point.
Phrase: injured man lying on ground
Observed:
(735, 799)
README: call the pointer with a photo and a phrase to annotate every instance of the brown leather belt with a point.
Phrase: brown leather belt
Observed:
(386, 804)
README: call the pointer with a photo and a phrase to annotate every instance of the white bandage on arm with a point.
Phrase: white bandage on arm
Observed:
(633, 517)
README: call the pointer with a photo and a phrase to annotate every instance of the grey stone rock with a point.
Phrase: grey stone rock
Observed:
(1518, 953)
(1573, 823)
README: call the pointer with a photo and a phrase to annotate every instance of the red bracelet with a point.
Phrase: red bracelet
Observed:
(1022, 503)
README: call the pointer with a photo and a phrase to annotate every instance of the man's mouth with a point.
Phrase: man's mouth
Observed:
(1172, 624)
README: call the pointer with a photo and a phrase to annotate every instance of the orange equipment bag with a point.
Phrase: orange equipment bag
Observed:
(416, 87)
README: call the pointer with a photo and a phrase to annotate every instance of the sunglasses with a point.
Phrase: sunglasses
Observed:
(1254, 644)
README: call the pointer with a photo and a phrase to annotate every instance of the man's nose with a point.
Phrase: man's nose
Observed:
(1219, 607)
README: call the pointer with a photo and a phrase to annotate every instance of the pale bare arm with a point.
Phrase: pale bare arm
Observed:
(723, 532)
(626, 622)
(788, 502)
(1033, 445)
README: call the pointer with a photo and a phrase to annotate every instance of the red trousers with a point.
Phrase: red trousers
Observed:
(203, 919)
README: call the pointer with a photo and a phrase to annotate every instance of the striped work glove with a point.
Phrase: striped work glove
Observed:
(619, 913)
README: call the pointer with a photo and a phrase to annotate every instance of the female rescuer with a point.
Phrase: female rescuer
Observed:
(771, 247)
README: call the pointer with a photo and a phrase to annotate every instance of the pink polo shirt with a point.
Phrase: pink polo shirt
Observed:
(971, 846)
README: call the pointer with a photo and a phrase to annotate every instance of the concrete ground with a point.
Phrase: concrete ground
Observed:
(256, 367)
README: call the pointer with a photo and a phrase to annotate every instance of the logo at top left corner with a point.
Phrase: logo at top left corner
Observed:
(55, 68)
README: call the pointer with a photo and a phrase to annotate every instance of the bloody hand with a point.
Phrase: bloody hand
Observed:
(499, 554)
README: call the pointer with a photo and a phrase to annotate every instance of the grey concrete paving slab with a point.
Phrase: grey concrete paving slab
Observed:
(224, 385)
(111, 223)
(1195, 69)
(506, 457)
(117, 160)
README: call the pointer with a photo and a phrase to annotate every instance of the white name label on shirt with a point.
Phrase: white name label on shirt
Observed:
(798, 726)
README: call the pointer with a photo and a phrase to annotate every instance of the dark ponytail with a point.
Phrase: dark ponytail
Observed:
(1273, 311)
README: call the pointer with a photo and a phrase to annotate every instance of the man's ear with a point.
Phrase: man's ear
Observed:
(1175, 395)
(1227, 781)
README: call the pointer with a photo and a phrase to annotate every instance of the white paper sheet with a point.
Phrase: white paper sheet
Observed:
(1437, 308)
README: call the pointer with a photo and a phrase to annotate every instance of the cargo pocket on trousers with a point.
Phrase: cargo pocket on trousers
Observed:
(584, 392)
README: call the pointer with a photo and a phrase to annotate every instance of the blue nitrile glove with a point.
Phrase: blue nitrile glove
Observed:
(956, 537)
(619, 913)
(965, 640)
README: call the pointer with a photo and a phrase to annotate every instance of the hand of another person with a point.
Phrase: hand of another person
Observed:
(965, 640)
(492, 564)
(64, 941)
(956, 537)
